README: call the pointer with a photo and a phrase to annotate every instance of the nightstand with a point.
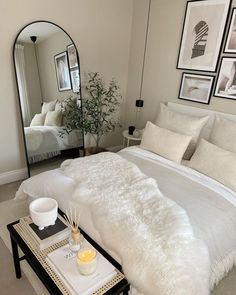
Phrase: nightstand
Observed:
(127, 138)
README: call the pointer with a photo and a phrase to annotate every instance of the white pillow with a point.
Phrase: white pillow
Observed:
(164, 142)
(38, 120)
(48, 106)
(53, 118)
(215, 162)
(224, 134)
(181, 123)
(58, 105)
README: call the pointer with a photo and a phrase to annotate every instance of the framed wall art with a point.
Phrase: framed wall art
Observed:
(196, 88)
(226, 81)
(230, 46)
(75, 79)
(202, 34)
(72, 56)
(62, 71)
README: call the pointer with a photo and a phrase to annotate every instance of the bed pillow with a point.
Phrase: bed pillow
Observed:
(224, 134)
(48, 106)
(53, 118)
(181, 123)
(38, 120)
(165, 143)
(215, 162)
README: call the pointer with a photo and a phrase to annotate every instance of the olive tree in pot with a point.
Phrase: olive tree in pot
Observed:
(98, 114)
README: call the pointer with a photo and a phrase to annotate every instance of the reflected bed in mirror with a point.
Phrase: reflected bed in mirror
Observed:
(48, 76)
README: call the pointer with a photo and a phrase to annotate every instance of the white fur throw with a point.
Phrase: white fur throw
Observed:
(150, 233)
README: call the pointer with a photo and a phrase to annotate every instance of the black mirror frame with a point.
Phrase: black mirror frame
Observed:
(18, 92)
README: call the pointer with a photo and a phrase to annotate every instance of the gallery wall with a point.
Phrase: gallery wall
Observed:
(161, 78)
(101, 31)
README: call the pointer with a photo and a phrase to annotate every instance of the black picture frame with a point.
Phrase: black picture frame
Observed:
(225, 87)
(196, 87)
(194, 52)
(72, 56)
(231, 37)
(62, 71)
(75, 79)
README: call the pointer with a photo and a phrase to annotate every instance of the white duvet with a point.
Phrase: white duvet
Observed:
(210, 206)
(46, 139)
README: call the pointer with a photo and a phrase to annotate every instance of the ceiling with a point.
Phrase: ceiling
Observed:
(42, 30)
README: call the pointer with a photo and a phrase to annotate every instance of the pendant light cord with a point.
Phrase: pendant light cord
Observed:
(145, 48)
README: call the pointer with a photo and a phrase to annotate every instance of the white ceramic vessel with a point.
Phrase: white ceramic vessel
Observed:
(43, 212)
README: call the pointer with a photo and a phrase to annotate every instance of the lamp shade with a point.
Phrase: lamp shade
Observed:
(139, 103)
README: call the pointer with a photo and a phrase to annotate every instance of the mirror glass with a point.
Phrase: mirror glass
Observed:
(48, 76)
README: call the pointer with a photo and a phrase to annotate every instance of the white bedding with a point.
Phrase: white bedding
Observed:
(46, 139)
(209, 205)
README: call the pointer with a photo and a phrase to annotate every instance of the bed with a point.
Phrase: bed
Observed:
(44, 142)
(210, 205)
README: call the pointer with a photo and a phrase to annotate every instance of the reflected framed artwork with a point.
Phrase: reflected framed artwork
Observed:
(226, 81)
(75, 80)
(230, 46)
(196, 88)
(202, 34)
(72, 56)
(62, 71)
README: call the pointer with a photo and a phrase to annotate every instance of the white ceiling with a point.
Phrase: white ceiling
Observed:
(42, 30)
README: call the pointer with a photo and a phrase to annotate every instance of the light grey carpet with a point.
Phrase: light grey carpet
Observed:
(10, 211)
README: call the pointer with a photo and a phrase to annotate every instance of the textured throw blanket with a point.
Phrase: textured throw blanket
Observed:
(150, 233)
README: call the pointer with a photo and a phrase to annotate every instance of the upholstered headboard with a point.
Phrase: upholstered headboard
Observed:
(194, 111)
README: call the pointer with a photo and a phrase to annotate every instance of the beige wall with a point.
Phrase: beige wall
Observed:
(100, 29)
(32, 79)
(46, 50)
(161, 78)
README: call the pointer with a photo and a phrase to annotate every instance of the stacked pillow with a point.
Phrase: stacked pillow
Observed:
(217, 158)
(183, 124)
(50, 115)
(168, 144)
(174, 136)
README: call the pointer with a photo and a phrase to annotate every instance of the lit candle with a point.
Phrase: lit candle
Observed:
(87, 260)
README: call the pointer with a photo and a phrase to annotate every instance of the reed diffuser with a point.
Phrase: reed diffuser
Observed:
(72, 219)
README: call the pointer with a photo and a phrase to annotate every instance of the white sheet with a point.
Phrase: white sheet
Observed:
(209, 205)
(46, 139)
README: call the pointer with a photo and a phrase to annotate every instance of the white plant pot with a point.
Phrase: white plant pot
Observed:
(43, 212)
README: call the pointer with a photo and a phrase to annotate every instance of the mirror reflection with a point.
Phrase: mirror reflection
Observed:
(48, 75)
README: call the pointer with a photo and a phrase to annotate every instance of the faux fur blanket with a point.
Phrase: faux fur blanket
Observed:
(150, 233)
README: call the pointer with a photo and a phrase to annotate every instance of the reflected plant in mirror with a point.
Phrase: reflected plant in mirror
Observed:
(47, 72)
(99, 114)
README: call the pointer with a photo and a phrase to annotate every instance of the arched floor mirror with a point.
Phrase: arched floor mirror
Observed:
(48, 76)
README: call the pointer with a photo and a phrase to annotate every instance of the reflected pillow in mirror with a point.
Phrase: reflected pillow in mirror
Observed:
(48, 106)
(38, 120)
(53, 118)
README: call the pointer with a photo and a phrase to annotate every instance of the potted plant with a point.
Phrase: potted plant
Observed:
(99, 107)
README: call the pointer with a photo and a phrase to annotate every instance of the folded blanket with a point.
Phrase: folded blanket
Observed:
(150, 233)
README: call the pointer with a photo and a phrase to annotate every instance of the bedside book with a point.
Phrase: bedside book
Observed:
(63, 262)
(49, 235)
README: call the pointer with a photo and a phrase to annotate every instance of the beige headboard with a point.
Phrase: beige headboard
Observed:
(194, 111)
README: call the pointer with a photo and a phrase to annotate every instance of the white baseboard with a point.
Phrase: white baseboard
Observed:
(12, 176)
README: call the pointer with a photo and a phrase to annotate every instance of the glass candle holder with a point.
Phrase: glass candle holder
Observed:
(87, 260)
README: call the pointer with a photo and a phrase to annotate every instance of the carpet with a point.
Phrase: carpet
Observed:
(11, 211)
